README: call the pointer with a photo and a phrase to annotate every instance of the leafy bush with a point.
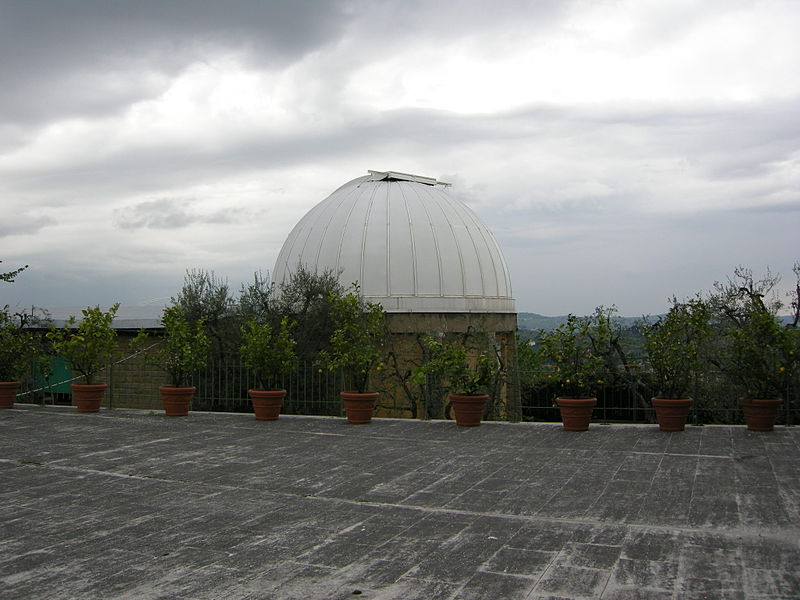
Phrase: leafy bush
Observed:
(763, 355)
(451, 361)
(676, 346)
(267, 352)
(87, 348)
(309, 299)
(208, 298)
(575, 354)
(19, 346)
(183, 350)
(356, 345)
(754, 349)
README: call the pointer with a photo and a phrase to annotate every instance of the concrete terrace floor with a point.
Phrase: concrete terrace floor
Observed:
(131, 504)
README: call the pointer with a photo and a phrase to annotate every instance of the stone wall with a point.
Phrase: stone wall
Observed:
(134, 383)
(131, 382)
(401, 397)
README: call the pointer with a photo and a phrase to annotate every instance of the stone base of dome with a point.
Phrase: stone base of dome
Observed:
(486, 331)
(444, 304)
(454, 322)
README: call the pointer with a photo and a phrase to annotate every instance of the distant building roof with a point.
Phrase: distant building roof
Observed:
(128, 317)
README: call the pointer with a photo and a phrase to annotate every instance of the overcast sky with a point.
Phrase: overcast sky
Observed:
(620, 151)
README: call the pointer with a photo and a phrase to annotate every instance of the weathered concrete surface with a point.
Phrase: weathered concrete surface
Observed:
(130, 504)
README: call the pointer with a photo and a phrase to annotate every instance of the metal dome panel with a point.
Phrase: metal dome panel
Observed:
(411, 246)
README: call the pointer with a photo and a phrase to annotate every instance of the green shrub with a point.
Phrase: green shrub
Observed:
(451, 361)
(183, 350)
(356, 345)
(573, 353)
(269, 353)
(89, 346)
(19, 347)
(676, 346)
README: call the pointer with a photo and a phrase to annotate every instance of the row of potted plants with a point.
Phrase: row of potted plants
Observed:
(268, 351)
(757, 352)
(750, 345)
(88, 344)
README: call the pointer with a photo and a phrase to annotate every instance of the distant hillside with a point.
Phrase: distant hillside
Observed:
(535, 322)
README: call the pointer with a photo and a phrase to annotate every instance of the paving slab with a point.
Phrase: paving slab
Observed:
(133, 504)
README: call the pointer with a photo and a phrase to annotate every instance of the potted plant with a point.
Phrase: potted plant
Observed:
(19, 350)
(14, 347)
(268, 353)
(355, 348)
(754, 349)
(675, 345)
(182, 351)
(468, 378)
(763, 359)
(575, 366)
(87, 346)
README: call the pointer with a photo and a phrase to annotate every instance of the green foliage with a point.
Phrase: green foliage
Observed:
(532, 323)
(451, 361)
(676, 346)
(575, 353)
(87, 348)
(757, 352)
(356, 345)
(255, 299)
(530, 362)
(20, 348)
(309, 298)
(268, 352)
(9, 277)
(183, 350)
(763, 355)
(206, 298)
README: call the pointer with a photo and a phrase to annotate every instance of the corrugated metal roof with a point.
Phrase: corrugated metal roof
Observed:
(127, 317)
(411, 246)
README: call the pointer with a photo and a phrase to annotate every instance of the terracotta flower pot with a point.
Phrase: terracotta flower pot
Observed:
(88, 397)
(759, 414)
(176, 400)
(359, 406)
(468, 409)
(267, 403)
(671, 413)
(576, 413)
(8, 392)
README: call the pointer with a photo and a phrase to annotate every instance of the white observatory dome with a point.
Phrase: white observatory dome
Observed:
(410, 245)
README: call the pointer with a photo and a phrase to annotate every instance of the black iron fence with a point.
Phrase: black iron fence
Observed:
(223, 385)
(715, 401)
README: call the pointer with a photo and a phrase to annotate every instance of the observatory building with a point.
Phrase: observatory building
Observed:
(422, 254)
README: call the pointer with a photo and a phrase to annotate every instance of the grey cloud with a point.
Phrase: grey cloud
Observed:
(165, 213)
(791, 208)
(22, 224)
(96, 57)
(614, 143)
(52, 51)
(396, 22)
